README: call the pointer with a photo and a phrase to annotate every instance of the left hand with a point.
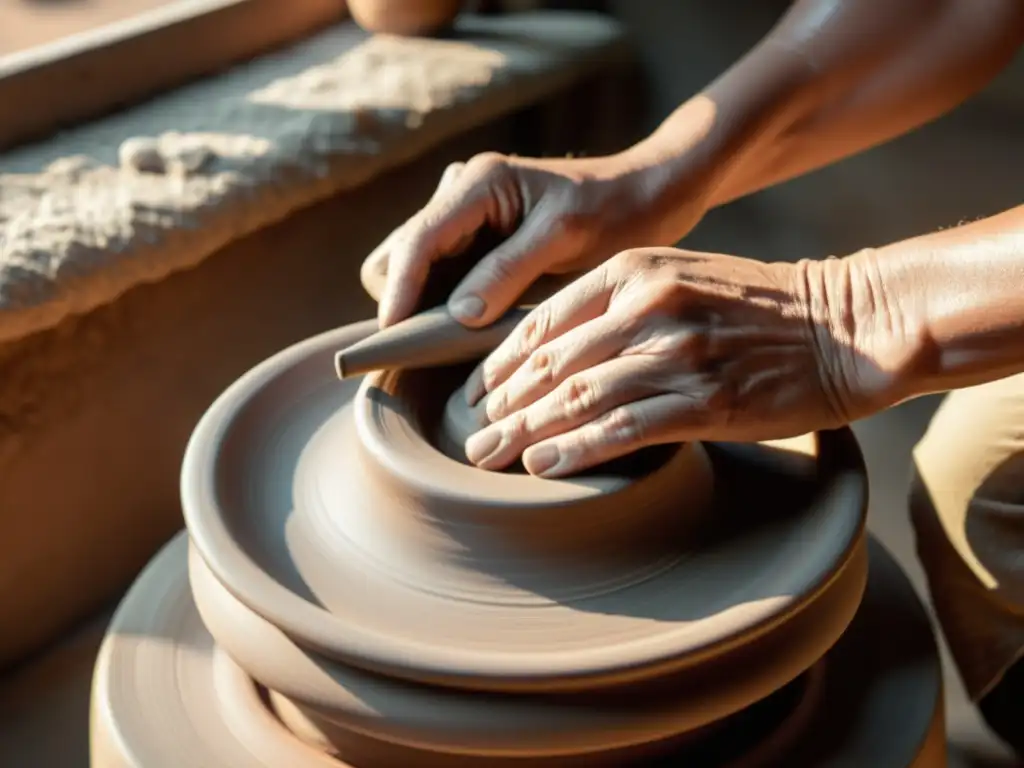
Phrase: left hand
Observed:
(662, 345)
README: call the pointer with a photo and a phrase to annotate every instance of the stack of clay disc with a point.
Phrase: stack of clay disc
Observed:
(349, 595)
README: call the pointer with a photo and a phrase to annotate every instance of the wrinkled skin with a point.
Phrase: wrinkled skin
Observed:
(660, 345)
(560, 215)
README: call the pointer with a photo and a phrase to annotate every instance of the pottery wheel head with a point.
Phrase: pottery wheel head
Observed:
(411, 427)
(329, 507)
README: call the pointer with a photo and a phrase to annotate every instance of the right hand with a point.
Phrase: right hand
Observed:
(560, 215)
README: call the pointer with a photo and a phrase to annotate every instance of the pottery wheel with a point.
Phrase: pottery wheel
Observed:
(391, 605)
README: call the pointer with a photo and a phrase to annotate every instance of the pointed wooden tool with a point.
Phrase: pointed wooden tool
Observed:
(431, 338)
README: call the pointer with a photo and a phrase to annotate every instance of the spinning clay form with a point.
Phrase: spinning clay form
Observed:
(351, 592)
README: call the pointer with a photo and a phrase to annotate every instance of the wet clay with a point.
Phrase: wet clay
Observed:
(350, 592)
(165, 694)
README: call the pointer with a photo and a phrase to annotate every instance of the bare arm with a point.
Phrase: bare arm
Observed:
(942, 311)
(659, 345)
(833, 78)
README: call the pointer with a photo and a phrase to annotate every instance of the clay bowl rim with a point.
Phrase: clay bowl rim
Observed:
(410, 463)
(316, 628)
(117, 725)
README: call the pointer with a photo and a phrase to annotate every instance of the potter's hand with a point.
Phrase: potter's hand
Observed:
(560, 215)
(661, 345)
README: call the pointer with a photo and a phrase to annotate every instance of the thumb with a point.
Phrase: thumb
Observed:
(458, 209)
(500, 278)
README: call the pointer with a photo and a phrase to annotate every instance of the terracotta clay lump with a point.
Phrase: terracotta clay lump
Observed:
(351, 592)
(413, 18)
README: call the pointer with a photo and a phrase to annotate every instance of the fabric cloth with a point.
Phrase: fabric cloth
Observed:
(967, 507)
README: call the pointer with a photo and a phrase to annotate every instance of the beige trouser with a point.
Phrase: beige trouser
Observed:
(967, 506)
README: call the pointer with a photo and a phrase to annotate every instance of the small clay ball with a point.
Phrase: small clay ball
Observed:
(460, 420)
(409, 18)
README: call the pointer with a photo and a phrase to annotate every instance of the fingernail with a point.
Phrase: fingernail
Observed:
(467, 308)
(542, 459)
(497, 405)
(482, 445)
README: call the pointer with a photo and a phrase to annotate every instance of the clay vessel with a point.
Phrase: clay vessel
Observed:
(352, 593)
(411, 18)
(349, 590)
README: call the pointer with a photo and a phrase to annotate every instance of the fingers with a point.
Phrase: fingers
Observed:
(377, 262)
(503, 275)
(580, 399)
(620, 431)
(458, 209)
(578, 349)
(583, 300)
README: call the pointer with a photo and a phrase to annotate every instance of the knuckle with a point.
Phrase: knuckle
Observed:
(623, 425)
(448, 179)
(416, 234)
(453, 169)
(643, 262)
(541, 365)
(405, 240)
(660, 297)
(626, 262)
(487, 163)
(577, 397)
(534, 330)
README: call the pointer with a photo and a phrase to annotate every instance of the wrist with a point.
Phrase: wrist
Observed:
(871, 338)
(960, 302)
(672, 173)
(716, 137)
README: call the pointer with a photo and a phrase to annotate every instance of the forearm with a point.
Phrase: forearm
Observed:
(832, 78)
(945, 310)
(952, 56)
